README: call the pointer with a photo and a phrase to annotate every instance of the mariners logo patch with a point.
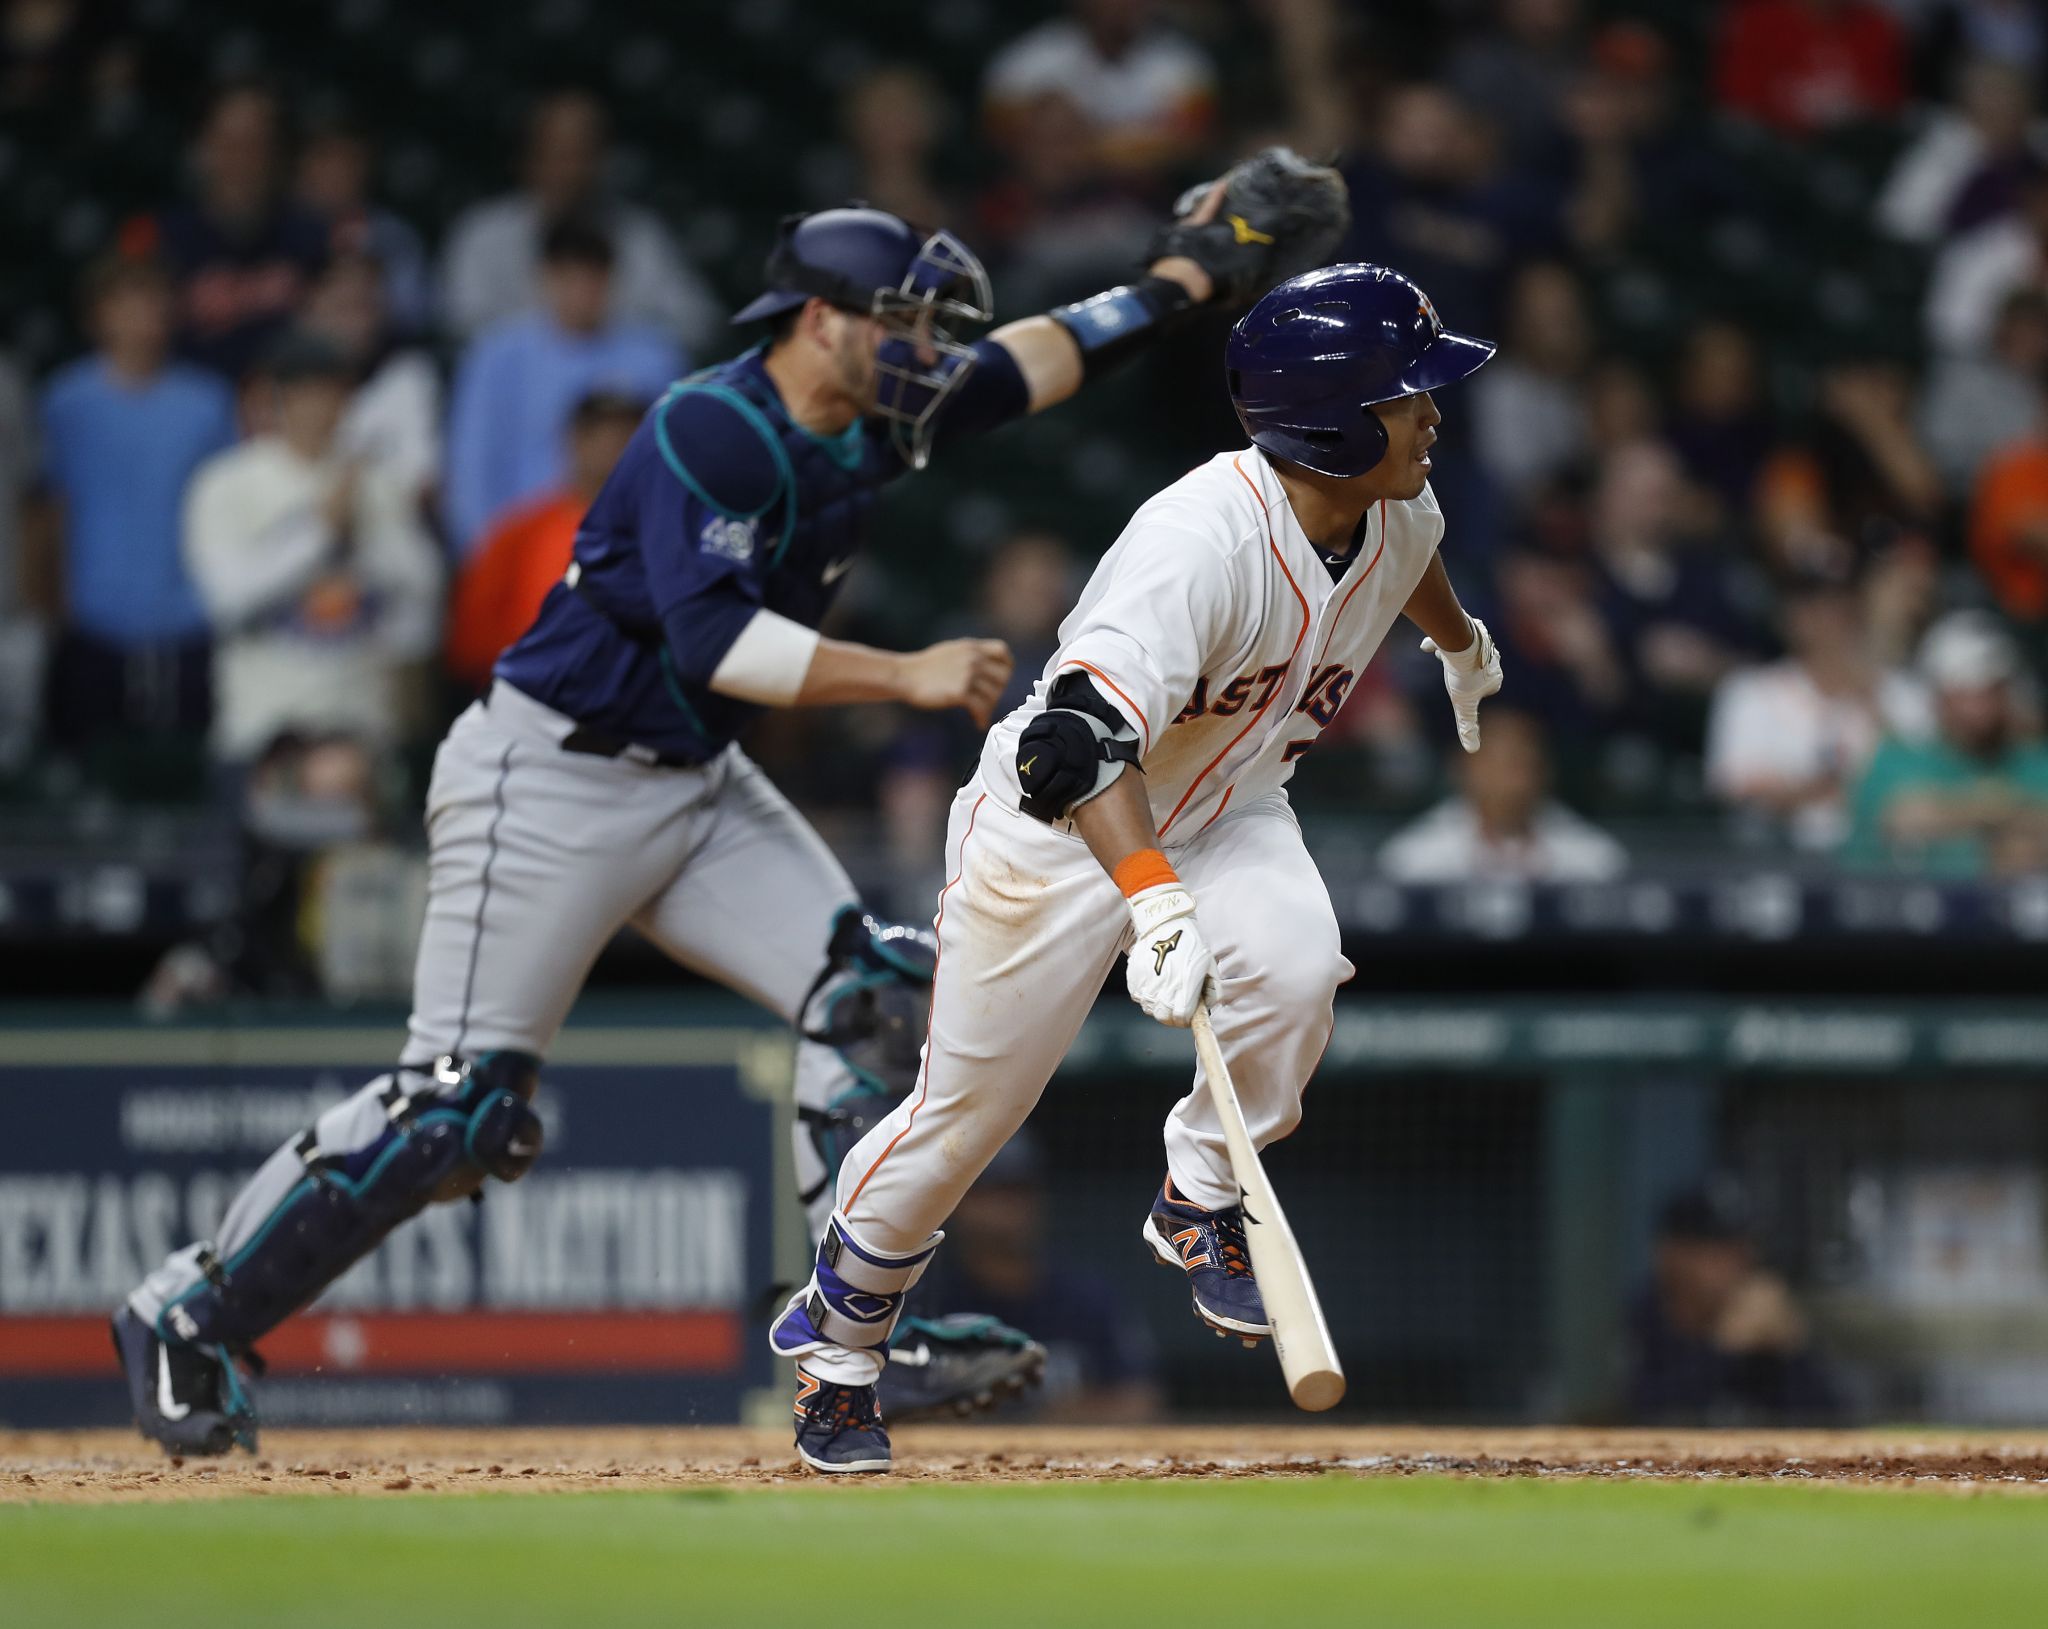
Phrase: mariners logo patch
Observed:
(728, 539)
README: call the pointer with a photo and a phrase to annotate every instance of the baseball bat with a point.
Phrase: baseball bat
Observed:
(1315, 1379)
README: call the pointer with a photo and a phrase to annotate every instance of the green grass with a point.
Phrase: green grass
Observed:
(1333, 1550)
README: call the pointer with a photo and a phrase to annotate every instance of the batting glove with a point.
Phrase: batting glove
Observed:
(1170, 969)
(1470, 675)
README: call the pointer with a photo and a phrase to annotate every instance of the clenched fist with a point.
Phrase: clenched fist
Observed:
(1170, 969)
(968, 673)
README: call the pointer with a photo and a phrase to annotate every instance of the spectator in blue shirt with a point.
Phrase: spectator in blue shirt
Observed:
(522, 378)
(123, 428)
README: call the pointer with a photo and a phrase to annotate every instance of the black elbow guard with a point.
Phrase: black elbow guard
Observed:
(1072, 750)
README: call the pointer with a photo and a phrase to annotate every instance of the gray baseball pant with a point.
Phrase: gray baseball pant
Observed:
(537, 857)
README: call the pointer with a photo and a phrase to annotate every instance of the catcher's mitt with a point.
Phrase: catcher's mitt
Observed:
(1281, 215)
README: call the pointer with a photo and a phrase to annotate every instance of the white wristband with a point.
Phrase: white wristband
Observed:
(768, 661)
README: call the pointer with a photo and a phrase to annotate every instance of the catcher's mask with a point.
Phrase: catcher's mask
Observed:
(914, 283)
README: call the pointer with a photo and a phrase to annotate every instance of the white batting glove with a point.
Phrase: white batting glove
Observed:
(1470, 675)
(1170, 969)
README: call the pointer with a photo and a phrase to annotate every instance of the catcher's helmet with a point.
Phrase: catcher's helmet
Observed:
(1308, 361)
(878, 265)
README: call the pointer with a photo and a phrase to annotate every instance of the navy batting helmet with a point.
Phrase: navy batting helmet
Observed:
(1308, 361)
(914, 282)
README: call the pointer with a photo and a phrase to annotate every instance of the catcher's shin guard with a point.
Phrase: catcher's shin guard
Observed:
(861, 1027)
(328, 1198)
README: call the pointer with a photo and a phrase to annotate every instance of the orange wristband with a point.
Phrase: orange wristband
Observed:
(1147, 868)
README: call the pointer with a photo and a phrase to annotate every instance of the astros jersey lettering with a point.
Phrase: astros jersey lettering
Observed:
(1213, 625)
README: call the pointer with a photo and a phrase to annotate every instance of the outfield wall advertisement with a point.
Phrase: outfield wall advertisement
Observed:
(617, 1282)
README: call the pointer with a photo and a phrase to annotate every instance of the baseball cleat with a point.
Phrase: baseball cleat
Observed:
(839, 1428)
(1209, 1246)
(188, 1398)
(963, 1363)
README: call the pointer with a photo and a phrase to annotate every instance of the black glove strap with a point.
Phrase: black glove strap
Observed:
(1112, 327)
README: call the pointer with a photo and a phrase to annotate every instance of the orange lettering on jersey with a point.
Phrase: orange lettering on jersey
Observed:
(1198, 703)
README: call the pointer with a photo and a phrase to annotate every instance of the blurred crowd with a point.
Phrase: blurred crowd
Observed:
(310, 463)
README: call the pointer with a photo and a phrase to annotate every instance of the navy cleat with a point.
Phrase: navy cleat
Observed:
(839, 1428)
(963, 1363)
(1209, 1246)
(188, 1398)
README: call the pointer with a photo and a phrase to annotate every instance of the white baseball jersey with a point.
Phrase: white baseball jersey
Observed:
(1214, 627)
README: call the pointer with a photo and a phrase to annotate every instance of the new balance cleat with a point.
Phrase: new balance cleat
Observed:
(1209, 1247)
(191, 1399)
(963, 1363)
(839, 1428)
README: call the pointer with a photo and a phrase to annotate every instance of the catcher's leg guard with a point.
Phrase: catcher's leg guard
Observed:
(327, 1198)
(862, 1025)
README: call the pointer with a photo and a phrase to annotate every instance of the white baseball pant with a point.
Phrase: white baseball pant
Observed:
(1029, 927)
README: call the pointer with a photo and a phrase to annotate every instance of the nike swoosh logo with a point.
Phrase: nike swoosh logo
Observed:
(915, 1357)
(167, 1405)
(837, 569)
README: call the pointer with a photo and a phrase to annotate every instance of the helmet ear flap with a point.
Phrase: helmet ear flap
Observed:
(1375, 437)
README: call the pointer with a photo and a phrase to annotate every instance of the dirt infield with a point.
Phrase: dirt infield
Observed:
(115, 1467)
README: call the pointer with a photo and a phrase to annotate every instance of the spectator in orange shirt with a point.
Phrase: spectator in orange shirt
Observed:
(525, 551)
(2009, 527)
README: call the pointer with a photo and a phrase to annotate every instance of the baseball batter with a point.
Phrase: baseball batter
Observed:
(600, 783)
(1136, 805)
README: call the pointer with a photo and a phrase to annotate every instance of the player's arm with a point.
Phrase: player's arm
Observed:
(969, 673)
(1460, 642)
(1272, 216)
(710, 522)
(1133, 663)
(1048, 349)
(1170, 968)
(774, 661)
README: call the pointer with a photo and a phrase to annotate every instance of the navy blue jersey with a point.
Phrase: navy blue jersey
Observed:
(720, 506)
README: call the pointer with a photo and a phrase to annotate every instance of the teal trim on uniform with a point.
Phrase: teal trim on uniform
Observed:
(909, 972)
(355, 1189)
(843, 447)
(675, 691)
(754, 419)
(241, 1255)
(301, 1186)
(241, 1412)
